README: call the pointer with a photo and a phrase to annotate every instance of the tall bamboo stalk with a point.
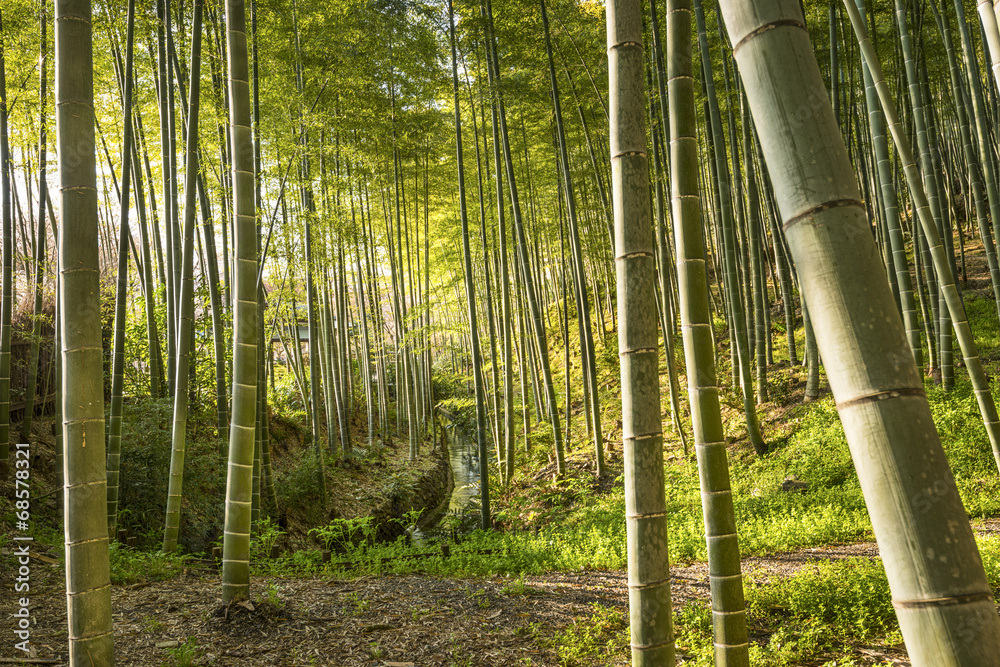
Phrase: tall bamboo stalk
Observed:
(741, 351)
(534, 307)
(890, 207)
(506, 308)
(7, 296)
(477, 363)
(983, 135)
(728, 608)
(651, 623)
(169, 174)
(582, 302)
(185, 324)
(239, 482)
(88, 571)
(124, 233)
(41, 242)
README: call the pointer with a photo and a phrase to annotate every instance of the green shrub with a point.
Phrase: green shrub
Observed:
(129, 565)
(298, 486)
(344, 535)
(145, 469)
(266, 536)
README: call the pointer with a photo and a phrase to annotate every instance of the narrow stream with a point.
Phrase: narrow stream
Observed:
(464, 459)
(464, 469)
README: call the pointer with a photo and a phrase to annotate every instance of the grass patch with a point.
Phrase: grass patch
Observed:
(591, 639)
(823, 610)
(129, 566)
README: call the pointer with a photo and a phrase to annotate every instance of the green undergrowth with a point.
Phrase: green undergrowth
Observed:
(129, 566)
(818, 615)
(823, 610)
(571, 524)
(590, 639)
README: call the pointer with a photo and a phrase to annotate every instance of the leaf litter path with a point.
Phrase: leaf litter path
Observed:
(389, 621)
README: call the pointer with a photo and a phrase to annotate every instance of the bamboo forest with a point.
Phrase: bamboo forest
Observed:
(475, 333)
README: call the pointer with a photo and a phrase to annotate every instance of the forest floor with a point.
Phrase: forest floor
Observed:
(384, 621)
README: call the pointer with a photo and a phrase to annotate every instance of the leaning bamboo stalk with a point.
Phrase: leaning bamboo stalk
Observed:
(940, 593)
(988, 15)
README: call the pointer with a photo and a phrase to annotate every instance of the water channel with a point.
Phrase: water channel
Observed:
(464, 455)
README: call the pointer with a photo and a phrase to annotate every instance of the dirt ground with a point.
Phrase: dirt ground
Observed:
(391, 621)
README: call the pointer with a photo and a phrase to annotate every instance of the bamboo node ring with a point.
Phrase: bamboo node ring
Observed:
(825, 206)
(784, 23)
(968, 598)
(881, 396)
